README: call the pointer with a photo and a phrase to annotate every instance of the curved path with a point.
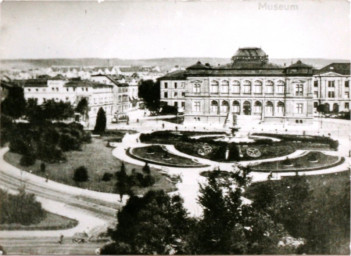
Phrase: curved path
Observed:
(93, 210)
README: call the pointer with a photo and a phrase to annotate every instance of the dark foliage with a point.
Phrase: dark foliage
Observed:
(149, 91)
(80, 174)
(319, 213)
(146, 168)
(47, 142)
(42, 167)
(100, 124)
(14, 104)
(21, 208)
(169, 110)
(27, 160)
(107, 176)
(49, 110)
(153, 224)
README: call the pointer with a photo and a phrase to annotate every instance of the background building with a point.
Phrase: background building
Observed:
(331, 87)
(250, 88)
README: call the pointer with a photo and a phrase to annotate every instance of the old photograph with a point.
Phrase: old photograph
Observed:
(159, 127)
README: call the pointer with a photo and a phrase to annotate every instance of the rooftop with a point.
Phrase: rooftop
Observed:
(339, 68)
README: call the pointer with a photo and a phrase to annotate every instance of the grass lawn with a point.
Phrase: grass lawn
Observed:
(158, 155)
(50, 222)
(310, 161)
(98, 159)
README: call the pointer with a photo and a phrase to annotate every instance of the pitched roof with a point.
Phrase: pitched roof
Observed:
(340, 68)
(176, 75)
(86, 83)
(250, 52)
(299, 64)
(199, 65)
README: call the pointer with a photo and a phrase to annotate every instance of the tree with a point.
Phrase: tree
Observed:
(14, 105)
(42, 167)
(146, 168)
(153, 224)
(229, 226)
(100, 124)
(149, 91)
(83, 107)
(123, 185)
(80, 174)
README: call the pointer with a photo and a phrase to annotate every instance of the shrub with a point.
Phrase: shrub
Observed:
(148, 181)
(107, 176)
(69, 142)
(80, 174)
(21, 208)
(27, 160)
(287, 162)
(42, 167)
(146, 168)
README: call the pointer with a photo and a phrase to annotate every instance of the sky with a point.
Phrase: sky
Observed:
(178, 28)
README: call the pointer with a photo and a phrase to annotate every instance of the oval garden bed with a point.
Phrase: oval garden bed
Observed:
(204, 145)
(310, 162)
(159, 155)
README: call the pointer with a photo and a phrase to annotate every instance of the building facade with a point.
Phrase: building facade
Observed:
(98, 95)
(331, 88)
(248, 88)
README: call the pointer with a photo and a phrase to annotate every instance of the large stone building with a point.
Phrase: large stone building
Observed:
(248, 88)
(99, 95)
(331, 87)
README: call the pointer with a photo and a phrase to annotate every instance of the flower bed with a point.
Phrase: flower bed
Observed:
(309, 162)
(158, 155)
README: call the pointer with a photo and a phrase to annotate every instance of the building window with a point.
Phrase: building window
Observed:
(280, 108)
(36, 90)
(331, 84)
(299, 108)
(225, 87)
(347, 105)
(269, 108)
(347, 84)
(315, 83)
(166, 85)
(315, 94)
(247, 87)
(183, 104)
(347, 95)
(175, 85)
(331, 94)
(280, 87)
(258, 87)
(197, 106)
(28, 89)
(175, 94)
(236, 87)
(197, 88)
(225, 107)
(183, 94)
(236, 107)
(176, 104)
(257, 108)
(269, 87)
(214, 106)
(299, 90)
(214, 87)
(166, 95)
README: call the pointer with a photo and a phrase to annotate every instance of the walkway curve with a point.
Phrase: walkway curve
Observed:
(93, 210)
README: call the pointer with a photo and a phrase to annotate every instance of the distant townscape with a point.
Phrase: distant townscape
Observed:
(250, 85)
